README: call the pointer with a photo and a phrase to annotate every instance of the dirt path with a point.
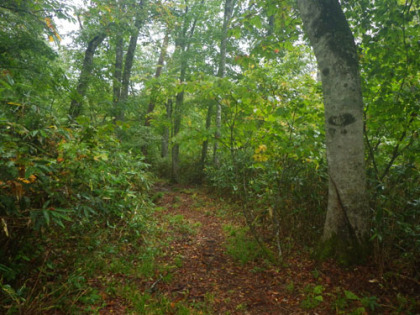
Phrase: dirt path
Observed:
(208, 275)
(199, 269)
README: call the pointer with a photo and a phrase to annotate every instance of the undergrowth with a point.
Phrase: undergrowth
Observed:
(65, 193)
(240, 245)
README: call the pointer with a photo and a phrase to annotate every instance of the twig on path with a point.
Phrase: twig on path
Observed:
(153, 288)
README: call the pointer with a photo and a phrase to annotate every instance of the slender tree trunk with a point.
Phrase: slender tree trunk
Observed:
(179, 102)
(271, 21)
(166, 130)
(128, 65)
(77, 102)
(221, 73)
(205, 146)
(177, 126)
(183, 43)
(129, 58)
(152, 102)
(119, 46)
(159, 67)
(223, 41)
(329, 33)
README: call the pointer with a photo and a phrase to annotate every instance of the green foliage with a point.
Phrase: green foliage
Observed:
(77, 256)
(61, 178)
(107, 179)
(350, 303)
(240, 245)
(313, 296)
(290, 287)
(178, 223)
(273, 150)
(386, 33)
(406, 304)
(31, 78)
(56, 161)
(56, 178)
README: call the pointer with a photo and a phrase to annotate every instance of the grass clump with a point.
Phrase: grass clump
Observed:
(240, 246)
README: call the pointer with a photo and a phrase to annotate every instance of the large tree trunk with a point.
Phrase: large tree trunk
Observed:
(221, 73)
(77, 101)
(346, 223)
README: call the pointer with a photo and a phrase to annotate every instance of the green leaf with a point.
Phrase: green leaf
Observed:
(318, 289)
(256, 21)
(46, 214)
(350, 295)
(319, 298)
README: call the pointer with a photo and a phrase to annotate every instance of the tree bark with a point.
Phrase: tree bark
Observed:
(128, 65)
(221, 73)
(77, 102)
(119, 46)
(205, 146)
(166, 130)
(333, 43)
(179, 102)
(177, 127)
(183, 44)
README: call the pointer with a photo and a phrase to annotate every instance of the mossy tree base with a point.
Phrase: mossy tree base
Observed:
(345, 252)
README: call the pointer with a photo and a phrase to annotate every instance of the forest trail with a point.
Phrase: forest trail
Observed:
(208, 274)
(205, 275)
(201, 260)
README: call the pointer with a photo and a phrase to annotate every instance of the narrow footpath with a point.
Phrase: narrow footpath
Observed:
(208, 276)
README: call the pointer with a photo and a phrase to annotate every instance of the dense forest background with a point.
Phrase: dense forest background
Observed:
(222, 93)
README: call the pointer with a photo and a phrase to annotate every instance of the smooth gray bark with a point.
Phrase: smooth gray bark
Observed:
(333, 43)
(77, 102)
